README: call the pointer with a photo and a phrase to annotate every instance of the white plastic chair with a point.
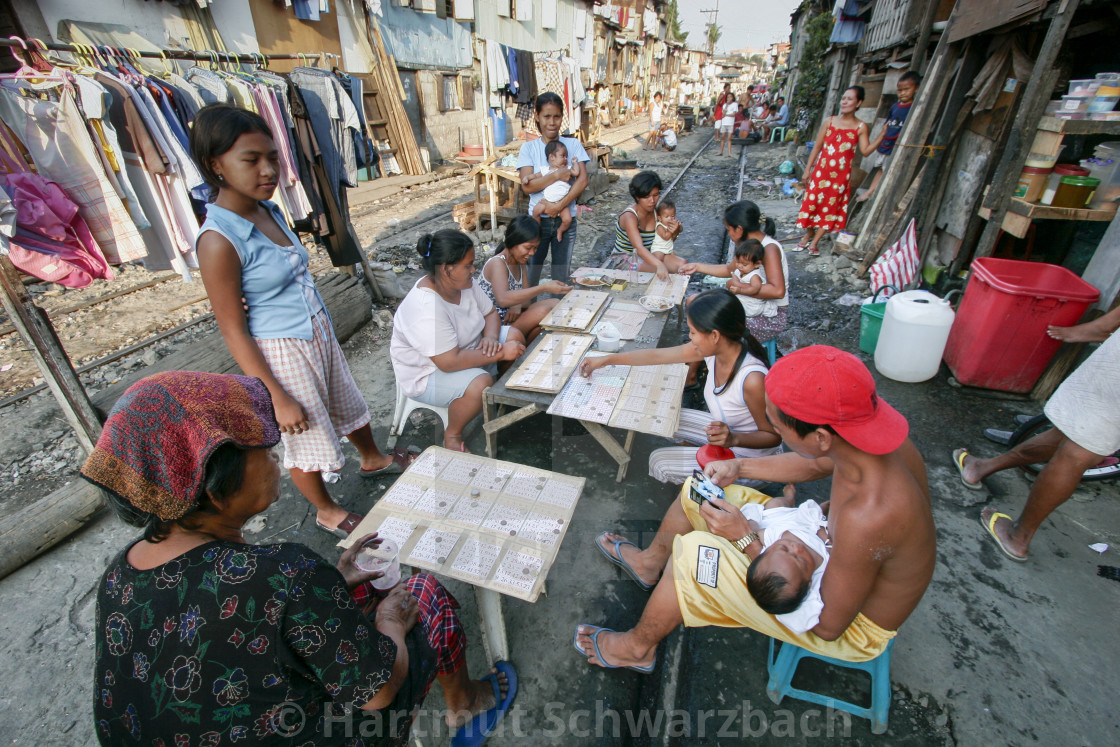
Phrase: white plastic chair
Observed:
(405, 406)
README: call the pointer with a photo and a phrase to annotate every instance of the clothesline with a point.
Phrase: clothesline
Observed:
(208, 55)
(104, 145)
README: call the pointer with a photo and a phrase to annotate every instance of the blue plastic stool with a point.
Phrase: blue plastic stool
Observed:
(782, 670)
(771, 350)
(774, 133)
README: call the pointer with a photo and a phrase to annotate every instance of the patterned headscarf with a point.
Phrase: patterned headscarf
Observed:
(154, 447)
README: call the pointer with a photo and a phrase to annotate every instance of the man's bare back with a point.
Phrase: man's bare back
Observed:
(885, 516)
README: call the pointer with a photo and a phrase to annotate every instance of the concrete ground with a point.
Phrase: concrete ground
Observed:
(998, 652)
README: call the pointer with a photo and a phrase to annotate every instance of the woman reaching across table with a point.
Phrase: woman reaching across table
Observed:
(270, 313)
(505, 280)
(744, 220)
(447, 335)
(636, 228)
(736, 416)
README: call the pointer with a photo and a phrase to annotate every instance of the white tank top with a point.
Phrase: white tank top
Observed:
(730, 407)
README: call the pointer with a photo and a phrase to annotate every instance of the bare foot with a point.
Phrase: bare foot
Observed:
(479, 698)
(614, 648)
(788, 498)
(1088, 332)
(1003, 529)
(631, 555)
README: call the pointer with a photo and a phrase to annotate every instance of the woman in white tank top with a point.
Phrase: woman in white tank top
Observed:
(734, 391)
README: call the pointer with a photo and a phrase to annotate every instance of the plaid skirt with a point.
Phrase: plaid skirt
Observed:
(315, 374)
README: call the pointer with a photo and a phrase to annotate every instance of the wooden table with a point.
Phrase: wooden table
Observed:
(529, 403)
(479, 521)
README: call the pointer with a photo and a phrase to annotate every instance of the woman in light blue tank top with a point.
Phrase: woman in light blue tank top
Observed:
(285, 339)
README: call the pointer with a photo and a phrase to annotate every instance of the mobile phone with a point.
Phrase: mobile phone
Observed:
(702, 489)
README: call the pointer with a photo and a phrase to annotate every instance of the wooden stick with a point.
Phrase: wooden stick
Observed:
(49, 355)
(906, 158)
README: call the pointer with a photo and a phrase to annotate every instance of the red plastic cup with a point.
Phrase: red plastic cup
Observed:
(711, 453)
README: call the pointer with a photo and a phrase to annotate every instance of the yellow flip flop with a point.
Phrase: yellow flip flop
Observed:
(990, 527)
(958, 460)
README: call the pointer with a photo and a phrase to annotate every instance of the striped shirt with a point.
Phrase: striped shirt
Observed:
(622, 242)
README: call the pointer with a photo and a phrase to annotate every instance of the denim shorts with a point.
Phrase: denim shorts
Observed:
(444, 387)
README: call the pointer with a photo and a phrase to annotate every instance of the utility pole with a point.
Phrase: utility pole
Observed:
(713, 17)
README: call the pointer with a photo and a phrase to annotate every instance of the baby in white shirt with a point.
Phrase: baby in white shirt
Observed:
(749, 277)
(785, 579)
(557, 154)
(664, 235)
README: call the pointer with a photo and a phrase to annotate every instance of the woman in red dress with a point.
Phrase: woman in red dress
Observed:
(825, 207)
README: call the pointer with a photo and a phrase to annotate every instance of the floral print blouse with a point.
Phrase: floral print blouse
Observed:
(232, 643)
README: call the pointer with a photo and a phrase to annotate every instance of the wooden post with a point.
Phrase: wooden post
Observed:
(488, 149)
(896, 181)
(1014, 154)
(924, 31)
(52, 360)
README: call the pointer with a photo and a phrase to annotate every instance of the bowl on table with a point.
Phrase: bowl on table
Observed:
(593, 281)
(656, 304)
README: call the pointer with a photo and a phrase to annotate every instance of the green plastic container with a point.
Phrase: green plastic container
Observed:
(870, 322)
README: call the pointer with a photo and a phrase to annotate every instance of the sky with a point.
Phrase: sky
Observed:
(744, 23)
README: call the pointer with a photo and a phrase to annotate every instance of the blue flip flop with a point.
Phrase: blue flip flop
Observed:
(648, 669)
(475, 732)
(617, 559)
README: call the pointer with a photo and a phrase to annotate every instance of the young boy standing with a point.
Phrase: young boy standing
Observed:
(896, 117)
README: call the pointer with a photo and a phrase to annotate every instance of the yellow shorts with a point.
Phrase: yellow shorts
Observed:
(711, 581)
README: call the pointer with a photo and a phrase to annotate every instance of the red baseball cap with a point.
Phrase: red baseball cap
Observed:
(826, 386)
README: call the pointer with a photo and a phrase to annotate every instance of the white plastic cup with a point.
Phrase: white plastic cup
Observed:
(608, 337)
(385, 558)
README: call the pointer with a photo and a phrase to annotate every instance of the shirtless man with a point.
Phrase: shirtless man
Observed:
(883, 540)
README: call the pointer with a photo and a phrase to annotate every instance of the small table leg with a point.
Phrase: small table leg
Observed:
(628, 447)
(493, 624)
(489, 413)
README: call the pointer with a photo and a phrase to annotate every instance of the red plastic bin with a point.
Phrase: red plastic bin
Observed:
(998, 340)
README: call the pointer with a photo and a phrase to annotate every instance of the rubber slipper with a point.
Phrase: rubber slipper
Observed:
(648, 669)
(799, 248)
(620, 562)
(392, 468)
(990, 527)
(814, 252)
(343, 530)
(475, 731)
(958, 460)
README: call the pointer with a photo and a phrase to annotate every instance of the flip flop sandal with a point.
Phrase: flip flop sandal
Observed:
(799, 248)
(990, 528)
(475, 731)
(343, 530)
(958, 460)
(648, 669)
(392, 468)
(617, 559)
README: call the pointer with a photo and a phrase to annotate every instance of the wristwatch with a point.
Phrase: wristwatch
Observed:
(744, 542)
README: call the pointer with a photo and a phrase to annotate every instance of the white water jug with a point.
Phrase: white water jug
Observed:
(915, 329)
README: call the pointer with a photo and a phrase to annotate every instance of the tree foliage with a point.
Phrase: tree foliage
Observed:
(673, 19)
(813, 71)
(714, 34)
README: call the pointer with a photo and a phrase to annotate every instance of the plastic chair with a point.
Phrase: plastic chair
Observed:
(771, 350)
(782, 670)
(774, 133)
(404, 408)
